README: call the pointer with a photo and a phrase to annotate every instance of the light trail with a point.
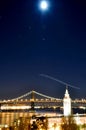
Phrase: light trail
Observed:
(57, 80)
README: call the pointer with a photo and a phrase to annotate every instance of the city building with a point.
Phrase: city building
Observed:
(67, 104)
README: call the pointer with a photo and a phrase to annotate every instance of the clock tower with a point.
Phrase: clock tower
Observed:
(67, 104)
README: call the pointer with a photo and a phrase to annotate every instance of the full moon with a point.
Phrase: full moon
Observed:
(44, 5)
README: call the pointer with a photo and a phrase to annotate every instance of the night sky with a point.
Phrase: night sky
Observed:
(33, 42)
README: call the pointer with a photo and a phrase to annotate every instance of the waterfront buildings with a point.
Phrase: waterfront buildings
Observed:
(12, 114)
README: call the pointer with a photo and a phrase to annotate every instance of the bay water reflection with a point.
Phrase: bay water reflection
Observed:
(8, 118)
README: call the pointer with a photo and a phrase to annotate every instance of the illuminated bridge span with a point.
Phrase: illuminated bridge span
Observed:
(37, 99)
(32, 99)
(35, 94)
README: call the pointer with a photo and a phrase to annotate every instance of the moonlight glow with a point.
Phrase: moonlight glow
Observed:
(44, 5)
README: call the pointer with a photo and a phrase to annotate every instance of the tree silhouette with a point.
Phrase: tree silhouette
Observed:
(68, 123)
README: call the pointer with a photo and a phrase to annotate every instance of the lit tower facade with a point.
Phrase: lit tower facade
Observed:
(67, 104)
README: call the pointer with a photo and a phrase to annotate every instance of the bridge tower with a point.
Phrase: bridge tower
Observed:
(67, 103)
(32, 101)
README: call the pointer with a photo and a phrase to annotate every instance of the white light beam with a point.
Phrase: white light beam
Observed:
(57, 80)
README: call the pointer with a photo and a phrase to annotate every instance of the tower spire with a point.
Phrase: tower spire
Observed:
(67, 87)
(67, 103)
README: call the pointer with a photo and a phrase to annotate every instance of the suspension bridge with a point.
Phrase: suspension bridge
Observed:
(35, 99)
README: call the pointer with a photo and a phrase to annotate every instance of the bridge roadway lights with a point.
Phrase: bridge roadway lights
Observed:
(32, 106)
